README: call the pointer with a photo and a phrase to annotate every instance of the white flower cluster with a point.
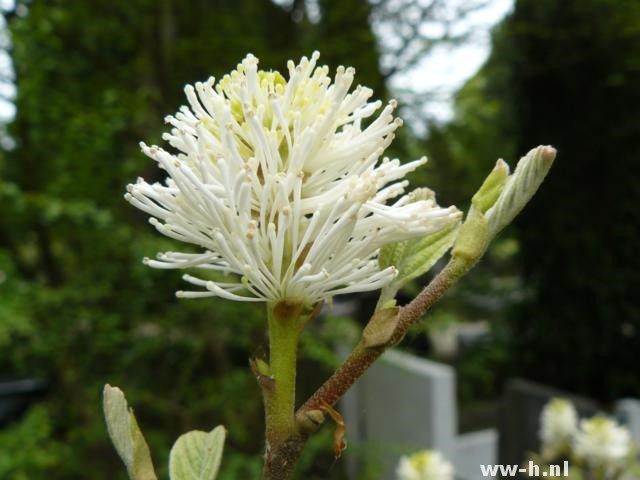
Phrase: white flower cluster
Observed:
(559, 423)
(281, 185)
(596, 442)
(424, 465)
(600, 441)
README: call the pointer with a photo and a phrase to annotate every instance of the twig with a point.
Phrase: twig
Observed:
(362, 357)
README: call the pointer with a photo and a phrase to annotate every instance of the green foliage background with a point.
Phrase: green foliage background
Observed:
(77, 307)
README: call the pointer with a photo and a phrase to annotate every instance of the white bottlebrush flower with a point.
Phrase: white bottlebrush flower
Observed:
(424, 465)
(559, 421)
(280, 183)
(600, 441)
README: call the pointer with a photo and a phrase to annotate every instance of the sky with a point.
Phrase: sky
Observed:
(446, 69)
(7, 88)
(441, 73)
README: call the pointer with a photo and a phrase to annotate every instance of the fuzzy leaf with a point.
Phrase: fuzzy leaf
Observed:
(197, 455)
(414, 257)
(520, 187)
(391, 254)
(126, 436)
(500, 198)
(420, 255)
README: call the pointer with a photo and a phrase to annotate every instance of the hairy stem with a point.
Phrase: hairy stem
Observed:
(280, 401)
(362, 357)
(286, 320)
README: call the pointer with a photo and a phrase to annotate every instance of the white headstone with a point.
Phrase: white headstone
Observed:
(401, 405)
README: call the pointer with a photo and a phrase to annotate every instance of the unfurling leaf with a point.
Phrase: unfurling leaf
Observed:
(197, 455)
(520, 187)
(420, 255)
(492, 187)
(500, 198)
(126, 436)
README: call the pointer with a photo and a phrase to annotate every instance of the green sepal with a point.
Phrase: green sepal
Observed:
(126, 436)
(197, 455)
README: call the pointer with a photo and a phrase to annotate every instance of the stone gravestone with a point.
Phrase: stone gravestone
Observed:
(519, 417)
(628, 413)
(474, 449)
(16, 396)
(401, 405)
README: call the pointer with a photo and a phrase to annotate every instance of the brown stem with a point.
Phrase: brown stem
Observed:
(280, 462)
(362, 356)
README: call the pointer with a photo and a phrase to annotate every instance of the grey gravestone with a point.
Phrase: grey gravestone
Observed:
(474, 449)
(628, 412)
(401, 405)
(519, 417)
(17, 395)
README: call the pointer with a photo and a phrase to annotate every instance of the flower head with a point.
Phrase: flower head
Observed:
(600, 441)
(424, 465)
(559, 422)
(281, 185)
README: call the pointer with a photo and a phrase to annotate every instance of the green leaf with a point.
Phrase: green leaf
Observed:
(520, 187)
(420, 255)
(500, 198)
(392, 254)
(492, 187)
(197, 455)
(414, 257)
(126, 436)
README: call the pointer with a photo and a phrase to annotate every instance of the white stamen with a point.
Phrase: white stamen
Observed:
(282, 188)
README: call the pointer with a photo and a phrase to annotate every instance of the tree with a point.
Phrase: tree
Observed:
(93, 79)
(574, 81)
